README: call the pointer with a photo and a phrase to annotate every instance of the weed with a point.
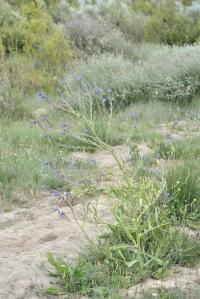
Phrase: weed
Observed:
(138, 244)
(182, 183)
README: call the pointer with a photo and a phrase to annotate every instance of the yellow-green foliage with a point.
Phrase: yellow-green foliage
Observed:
(45, 40)
(39, 25)
(35, 46)
(56, 52)
(132, 24)
(24, 75)
(146, 7)
(12, 26)
(167, 26)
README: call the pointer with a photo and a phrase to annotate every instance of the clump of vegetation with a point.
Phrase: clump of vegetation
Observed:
(138, 244)
(162, 77)
(171, 294)
(184, 192)
(91, 35)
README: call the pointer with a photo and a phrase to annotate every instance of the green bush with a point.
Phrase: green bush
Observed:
(56, 52)
(24, 75)
(12, 103)
(92, 35)
(12, 26)
(169, 74)
(132, 24)
(169, 27)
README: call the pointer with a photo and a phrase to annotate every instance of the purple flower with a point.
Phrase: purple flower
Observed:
(62, 82)
(45, 162)
(55, 192)
(41, 95)
(43, 117)
(133, 115)
(98, 91)
(78, 78)
(60, 212)
(166, 194)
(34, 122)
(65, 125)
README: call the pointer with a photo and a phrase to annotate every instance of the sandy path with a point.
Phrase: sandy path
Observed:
(24, 242)
(26, 235)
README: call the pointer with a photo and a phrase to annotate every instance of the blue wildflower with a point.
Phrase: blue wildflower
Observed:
(62, 213)
(78, 78)
(55, 192)
(133, 115)
(34, 122)
(62, 82)
(41, 95)
(43, 117)
(166, 194)
(98, 91)
(46, 162)
(65, 124)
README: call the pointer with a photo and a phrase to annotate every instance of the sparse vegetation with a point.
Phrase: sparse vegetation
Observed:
(100, 102)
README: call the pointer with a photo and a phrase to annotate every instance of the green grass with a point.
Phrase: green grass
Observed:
(29, 162)
(182, 183)
(171, 294)
(140, 243)
(137, 245)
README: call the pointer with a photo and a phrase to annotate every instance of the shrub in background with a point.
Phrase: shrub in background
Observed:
(131, 23)
(92, 35)
(12, 103)
(169, 74)
(167, 26)
(24, 75)
(12, 26)
(56, 52)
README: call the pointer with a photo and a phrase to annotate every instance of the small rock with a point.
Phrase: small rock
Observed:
(48, 238)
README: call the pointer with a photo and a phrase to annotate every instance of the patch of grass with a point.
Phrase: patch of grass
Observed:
(29, 161)
(188, 148)
(171, 294)
(137, 245)
(182, 183)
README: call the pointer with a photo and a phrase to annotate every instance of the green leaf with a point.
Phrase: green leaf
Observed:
(131, 263)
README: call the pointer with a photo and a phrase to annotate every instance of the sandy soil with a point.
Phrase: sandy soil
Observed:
(26, 235)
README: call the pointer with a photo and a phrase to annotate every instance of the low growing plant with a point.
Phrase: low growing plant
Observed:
(182, 183)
